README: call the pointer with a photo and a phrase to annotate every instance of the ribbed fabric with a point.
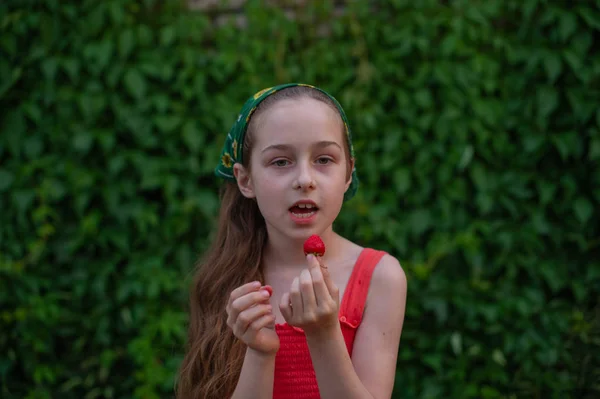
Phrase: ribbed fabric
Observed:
(294, 373)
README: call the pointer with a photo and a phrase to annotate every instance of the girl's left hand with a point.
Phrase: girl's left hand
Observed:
(313, 301)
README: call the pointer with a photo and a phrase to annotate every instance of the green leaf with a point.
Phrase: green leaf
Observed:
(567, 24)
(104, 52)
(583, 209)
(71, 66)
(594, 152)
(9, 44)
(167, 36)
(402, 180)
(547, 101)
(568, 144)
(553, 65)
(478, 174)
(591, 16)
(423, 98)
(532, 143)
(546, 191)
(117, 12)
(456, 343)
(485, 202)
(192, 136)
(167, 123)
(33, 111)
(33, 147)
(420, 220)
(7, 83)
(466, 157)
(573, 60)
(449, 44)
(6, 179)
(83, 141)
(23, 199)
(554, 276)
(145, 36)
(498, 357)
(151, 70)
(126, 43)
(135, 84)
(488, 392)
(49, 68)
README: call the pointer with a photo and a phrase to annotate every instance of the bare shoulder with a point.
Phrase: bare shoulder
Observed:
(388, 290)
(389, 278)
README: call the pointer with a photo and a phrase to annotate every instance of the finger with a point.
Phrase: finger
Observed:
(271, 325)
(261, 322)
(269, 289)
(244, 302)
(235, 294)
(321, 290)
(308, 292)
(312, 261)
(243, 290)
(327, 278)
(285, 308)
(249, 316)
(296, 297)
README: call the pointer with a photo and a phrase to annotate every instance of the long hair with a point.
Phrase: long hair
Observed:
(214, 356)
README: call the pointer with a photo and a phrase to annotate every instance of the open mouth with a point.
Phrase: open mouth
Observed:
(303, 211)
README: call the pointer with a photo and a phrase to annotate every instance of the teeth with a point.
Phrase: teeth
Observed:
(309, 206)
(303, 215)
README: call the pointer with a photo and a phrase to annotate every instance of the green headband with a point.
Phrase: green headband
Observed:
(232, 150)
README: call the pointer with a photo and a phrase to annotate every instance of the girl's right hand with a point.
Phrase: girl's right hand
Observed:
(250, 317)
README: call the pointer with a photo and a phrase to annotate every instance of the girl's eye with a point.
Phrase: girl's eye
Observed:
(280, 162)
(323, 161)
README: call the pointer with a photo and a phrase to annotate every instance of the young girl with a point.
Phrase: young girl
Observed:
(331, 327)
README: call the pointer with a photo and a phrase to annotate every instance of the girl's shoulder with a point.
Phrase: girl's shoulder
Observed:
(387, 275)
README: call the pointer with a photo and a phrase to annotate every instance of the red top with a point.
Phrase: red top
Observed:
(294, 374)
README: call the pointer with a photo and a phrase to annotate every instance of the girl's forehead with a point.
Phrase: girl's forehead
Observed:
(298, 119)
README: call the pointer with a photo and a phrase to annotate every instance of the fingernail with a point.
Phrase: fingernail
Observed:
(310, 257)
(256, 284)
(265, 293)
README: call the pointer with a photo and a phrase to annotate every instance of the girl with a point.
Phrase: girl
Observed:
(331, 328)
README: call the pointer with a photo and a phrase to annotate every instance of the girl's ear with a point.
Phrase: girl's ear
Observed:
(244, 181)
(349, 181)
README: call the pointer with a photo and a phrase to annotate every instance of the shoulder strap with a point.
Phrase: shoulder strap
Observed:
(357, 289)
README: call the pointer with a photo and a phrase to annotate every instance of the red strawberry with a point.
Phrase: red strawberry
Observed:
(314, 245)
(267, 288)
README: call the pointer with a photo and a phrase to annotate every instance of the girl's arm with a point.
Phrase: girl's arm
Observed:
(371, 371)
(256, 378)
(251, 319)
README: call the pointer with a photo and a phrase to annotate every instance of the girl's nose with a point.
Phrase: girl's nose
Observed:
(304, 179)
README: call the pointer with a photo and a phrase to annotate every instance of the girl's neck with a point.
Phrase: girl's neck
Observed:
(284, 253)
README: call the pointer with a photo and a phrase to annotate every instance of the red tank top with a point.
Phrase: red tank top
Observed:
(294, 374)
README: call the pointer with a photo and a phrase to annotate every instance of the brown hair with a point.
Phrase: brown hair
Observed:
(214, 356)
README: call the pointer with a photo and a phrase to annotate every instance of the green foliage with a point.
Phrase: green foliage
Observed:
(477, 128)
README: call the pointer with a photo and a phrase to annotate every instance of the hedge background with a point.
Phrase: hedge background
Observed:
(477, 128)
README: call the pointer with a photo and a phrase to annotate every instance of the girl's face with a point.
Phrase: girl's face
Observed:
(298, 169)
